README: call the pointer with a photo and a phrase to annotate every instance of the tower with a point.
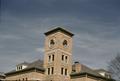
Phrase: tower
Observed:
(58, 54)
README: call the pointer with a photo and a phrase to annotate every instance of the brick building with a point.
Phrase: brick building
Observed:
(57, 64)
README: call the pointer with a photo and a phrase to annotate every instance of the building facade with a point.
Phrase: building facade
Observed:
(57, 64)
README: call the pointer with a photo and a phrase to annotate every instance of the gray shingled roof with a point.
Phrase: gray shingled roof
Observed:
(85, 69)
(38, 63)
(24, 63)
(34, 65)
(2, 74)
(101, 70)
(89, 70)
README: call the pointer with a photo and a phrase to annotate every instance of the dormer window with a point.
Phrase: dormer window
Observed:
(21, 66)
(104, 73)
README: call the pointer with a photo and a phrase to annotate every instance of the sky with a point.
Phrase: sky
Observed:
(95, 23)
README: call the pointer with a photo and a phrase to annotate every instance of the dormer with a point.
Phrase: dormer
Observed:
(104, 73)
(21, 66)
(76, 67)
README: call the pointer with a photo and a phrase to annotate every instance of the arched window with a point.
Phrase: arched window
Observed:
(65, 71)
(49, 59)
(62, 70)
(52, 42)
(48, 71)
(52, 70)
(66, 58)
(65, 43)
(53, 57)
(62, 57)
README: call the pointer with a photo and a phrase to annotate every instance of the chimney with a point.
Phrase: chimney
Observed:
(77, 67)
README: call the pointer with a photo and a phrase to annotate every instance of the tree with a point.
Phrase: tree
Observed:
(114, 67)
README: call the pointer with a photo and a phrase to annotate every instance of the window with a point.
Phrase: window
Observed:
(51, 43)
(26, 79)
(52, 57)
(65, 43)
(62, 71)
(74, 70)
(21, 67)
(62, 57)
(48, 71)
(17, 68)
(52, 71)
(66, 59)
(49, 58)
(65, 71)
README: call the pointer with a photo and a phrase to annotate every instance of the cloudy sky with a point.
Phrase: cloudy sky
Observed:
(95, 23)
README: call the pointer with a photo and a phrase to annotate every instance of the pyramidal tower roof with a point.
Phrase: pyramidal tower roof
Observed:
(59, 29)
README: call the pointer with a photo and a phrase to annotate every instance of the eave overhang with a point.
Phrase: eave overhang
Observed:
(59, 29)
